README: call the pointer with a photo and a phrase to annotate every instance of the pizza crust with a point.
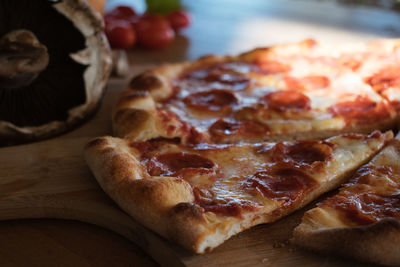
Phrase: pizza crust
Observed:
(120, 175)
(377, 243)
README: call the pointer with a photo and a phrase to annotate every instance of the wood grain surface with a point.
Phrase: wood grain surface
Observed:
(30, 172)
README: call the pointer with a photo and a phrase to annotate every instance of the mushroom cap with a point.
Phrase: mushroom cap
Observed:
(92, 59)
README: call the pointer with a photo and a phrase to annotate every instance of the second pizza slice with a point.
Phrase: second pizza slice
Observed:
(200, 195)
(362, 220)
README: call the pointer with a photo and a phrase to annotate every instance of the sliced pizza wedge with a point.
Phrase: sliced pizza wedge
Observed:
(200, 195)
(286, 92)
(363, 220)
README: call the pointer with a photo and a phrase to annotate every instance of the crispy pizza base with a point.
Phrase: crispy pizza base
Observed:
(167, 204)
(327, 229)
(141, 111)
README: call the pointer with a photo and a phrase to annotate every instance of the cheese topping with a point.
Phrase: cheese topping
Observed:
(276, 91)
(373, 193)
(231, 180)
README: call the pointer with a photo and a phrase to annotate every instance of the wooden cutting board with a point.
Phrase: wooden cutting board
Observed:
(50, 179)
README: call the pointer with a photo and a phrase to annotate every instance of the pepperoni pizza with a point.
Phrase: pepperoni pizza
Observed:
(298, 91)
(209, 148)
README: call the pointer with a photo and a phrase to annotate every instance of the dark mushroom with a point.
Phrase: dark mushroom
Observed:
(54, 63)
(22, 58)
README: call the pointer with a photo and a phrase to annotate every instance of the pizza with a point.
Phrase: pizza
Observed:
(286, 92)
(200, 195)
(362, 220)
(203, 150)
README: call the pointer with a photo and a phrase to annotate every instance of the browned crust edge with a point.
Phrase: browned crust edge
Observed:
(376, 243)
(163, 204)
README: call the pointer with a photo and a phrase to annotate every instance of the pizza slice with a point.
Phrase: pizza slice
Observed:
(286, 92)
(363, 220)
(200, 195)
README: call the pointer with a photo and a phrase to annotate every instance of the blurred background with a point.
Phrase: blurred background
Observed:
(232, 26)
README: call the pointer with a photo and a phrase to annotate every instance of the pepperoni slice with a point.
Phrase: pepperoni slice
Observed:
(226, 78)
(385, 78)
(223, 128)
(219, 73)
(316, 82)
(365, 208)
(271, 66)
(282, 181)
(145, 147)
(360, 110)
(214, 100)
(309, 151)
(287, 100)
(172, 163)
(304, 152)
(308, 82)
(352, 63)
(372, 175)
(225, 207)
(361, 204)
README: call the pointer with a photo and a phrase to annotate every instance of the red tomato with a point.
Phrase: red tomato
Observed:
(154, 32)
(120, 34)
(179, 19)
(122, 12)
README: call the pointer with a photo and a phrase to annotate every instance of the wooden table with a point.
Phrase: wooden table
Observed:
(223, 26)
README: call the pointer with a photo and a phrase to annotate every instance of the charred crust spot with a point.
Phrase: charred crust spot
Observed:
(192, 210)
(130, 114)
(101, 141)
(145, 82)
(145, 187)
(107, 150)
(121, 166)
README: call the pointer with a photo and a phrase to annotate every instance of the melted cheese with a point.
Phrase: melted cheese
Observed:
(223, 184)
(249, 86)
(371, 195)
